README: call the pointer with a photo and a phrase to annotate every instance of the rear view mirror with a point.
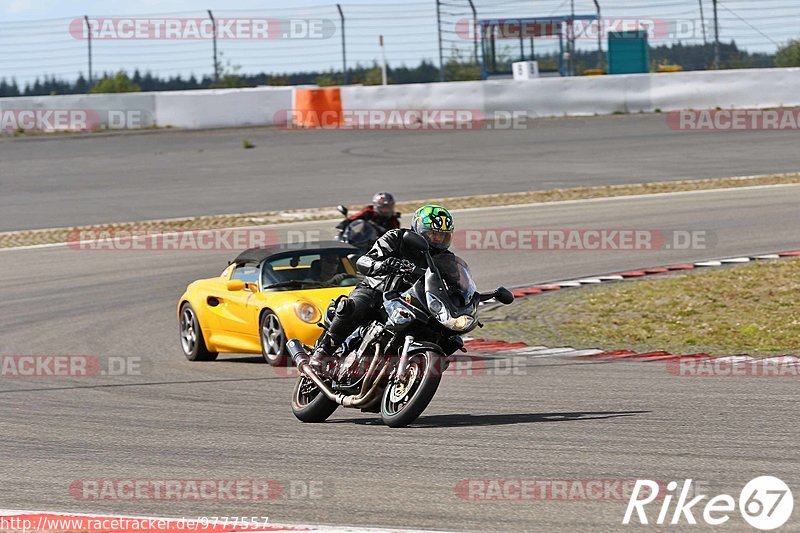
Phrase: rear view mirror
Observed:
(415, 241)
(235, 285)
(503, 296)
(342, 209)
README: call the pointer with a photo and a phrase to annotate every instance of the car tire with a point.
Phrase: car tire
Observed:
(273, 339)
(193, 343)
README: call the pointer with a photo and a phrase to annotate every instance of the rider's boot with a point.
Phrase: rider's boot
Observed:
(323, 360)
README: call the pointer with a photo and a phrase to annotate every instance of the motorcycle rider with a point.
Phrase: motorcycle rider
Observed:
(388, 266)
(380, 212)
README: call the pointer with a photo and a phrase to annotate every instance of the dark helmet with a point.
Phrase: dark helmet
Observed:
(435, 223)
(383, 202)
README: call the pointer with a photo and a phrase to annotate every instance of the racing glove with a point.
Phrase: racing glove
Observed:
(393, 265)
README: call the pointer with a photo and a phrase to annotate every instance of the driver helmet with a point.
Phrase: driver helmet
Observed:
(435, 223)
(383, 202)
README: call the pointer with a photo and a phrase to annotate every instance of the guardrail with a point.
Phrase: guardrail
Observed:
(545, 97)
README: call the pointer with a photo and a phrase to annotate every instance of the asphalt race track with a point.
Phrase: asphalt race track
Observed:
(230, 419)
(70, 180)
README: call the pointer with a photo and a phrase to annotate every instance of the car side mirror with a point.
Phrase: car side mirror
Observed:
(503, 295)
(415, 241)
(235, 285)
(342, 209)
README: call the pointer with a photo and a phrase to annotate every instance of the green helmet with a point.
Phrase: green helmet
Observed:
(435, 223)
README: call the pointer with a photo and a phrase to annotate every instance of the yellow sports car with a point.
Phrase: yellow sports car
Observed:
(264, 297)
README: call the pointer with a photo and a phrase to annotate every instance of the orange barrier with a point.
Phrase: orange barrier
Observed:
(317, 108)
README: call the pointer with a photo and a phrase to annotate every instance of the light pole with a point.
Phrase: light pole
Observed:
(344, 49)
(439, 28)
(214, 38)
(599, 36)
(89, 42)
(716, 37)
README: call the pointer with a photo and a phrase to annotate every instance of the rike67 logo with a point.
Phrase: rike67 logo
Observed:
(765, 503)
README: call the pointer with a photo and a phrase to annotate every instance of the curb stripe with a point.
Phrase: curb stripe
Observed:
(520, 348)
(521, 292)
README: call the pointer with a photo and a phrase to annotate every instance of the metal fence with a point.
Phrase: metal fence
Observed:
(341, 37)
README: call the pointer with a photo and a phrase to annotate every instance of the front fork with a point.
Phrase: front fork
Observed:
(401, 367)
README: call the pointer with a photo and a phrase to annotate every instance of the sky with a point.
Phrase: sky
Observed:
(35, 38)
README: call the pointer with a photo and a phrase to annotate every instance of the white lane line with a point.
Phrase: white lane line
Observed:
(530, 349)
(579, 353)
(547, 352)
(708, 264)
(466, 210)
(733, 359)
(588, 281)
(634, 196)
(735, 260)
(767, 256)
(610, 278)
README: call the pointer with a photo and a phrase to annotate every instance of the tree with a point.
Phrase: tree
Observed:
(374, 76)
(459, 69)
(118, 83)
(789, 55)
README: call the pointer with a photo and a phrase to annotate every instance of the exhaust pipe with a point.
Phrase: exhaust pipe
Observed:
(297, 352)
(300, 357)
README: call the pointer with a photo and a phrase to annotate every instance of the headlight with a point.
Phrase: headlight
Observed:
(461, 323)
(306, 312)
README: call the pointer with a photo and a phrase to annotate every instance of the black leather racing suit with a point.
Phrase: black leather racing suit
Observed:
(367, 297)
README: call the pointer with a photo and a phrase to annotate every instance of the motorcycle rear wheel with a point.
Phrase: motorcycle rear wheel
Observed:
(403, 402)
(309, 404)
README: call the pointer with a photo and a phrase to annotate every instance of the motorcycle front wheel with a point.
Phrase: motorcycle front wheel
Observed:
(405, 399)
(309, 404)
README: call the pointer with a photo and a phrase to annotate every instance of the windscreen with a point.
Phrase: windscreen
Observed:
(310, 270)
(457, 279)
(360, 233)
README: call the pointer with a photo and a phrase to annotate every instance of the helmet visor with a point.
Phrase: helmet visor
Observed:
(384, 210)
(437, 239)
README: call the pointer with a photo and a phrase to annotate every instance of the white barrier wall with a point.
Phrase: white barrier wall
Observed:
(542, 97)
(220, 108)
(592, 95)
(134, 110)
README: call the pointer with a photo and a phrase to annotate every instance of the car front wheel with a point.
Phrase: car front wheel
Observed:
(192, 341)
(273, 340)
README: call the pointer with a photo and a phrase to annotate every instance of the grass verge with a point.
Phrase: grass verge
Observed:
(12, 239)
(750, 309)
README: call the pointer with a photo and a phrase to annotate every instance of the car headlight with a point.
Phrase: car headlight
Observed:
(307, 312)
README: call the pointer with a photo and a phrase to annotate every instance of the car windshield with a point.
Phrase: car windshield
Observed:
(309, 270)
(457, 278)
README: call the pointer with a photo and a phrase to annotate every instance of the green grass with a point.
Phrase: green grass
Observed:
(745, 309)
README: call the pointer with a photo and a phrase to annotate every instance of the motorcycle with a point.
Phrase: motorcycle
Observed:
(359, 233)
(394, 364)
